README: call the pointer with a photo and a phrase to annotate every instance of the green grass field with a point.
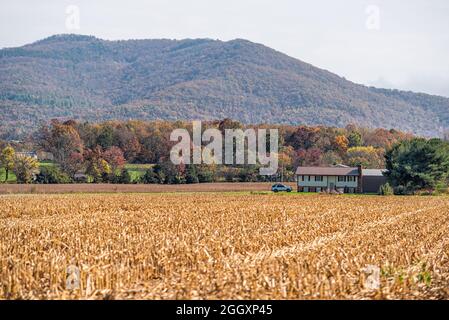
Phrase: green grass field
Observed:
(46, 164)
(137, 170)
(11, 177)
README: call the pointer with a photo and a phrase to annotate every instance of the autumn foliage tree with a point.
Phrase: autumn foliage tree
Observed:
(96, 166)
(304, 137)
(310, 157)
(355, 139)
(114, 157)
(367, 157)
(7, 156)
(62, 140)
(74, 163)
(96, 148)
(341, 144)
(25, 168)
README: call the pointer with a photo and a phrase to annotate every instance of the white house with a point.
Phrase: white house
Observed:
(30, 154)
(317, 179)
(339, 179)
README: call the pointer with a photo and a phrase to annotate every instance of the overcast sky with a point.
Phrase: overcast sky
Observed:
(386, 43)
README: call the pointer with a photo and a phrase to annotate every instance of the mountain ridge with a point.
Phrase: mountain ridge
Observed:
(90, 79)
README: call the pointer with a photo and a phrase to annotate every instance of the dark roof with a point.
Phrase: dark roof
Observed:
(327, 171)
(374, 172)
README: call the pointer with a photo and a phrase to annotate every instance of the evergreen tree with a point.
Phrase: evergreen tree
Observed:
(191, 174)
(355, 139)
(418, 164)
(125, 177)
(150, 177)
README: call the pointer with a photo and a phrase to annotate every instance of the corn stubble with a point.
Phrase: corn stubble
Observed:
(223, 246)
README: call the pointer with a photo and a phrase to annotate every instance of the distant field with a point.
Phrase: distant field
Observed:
(11, 177)
(130, 188)
(46, 164)
(223, 246)
(137, 170)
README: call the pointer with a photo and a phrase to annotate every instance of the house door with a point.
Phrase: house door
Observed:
(331, 183)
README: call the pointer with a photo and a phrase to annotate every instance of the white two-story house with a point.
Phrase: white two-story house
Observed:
(329, 179)
(339, 178)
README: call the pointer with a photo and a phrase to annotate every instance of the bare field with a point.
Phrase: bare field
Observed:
(223, 246)
(134, 188)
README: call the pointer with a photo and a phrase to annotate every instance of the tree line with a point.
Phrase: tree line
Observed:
(98, 152)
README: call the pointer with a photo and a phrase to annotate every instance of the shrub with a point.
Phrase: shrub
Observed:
(191, 174)
(52, 175)
(206, 176)
(125, 177)
(386, 190)
(248, 175)
(150, 177)
(403, 190)
(441, 188)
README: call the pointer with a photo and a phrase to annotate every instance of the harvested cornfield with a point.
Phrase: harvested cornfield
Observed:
(223, 246)
(135, 188)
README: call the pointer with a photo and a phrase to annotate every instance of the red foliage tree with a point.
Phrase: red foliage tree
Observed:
(114, 156)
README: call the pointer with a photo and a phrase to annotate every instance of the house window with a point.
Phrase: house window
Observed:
(319, 178)
(349, 190)
(302, 178)
(351, 178)
(341, 178)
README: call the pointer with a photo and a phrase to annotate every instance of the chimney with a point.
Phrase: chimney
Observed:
(360, 179)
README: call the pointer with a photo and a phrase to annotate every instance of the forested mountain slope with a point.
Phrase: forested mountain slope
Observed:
(85, 78)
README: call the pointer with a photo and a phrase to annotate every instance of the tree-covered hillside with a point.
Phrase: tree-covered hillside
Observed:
(85, 78)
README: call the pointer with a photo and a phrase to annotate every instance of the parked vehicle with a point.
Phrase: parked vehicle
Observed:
(281, 188)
